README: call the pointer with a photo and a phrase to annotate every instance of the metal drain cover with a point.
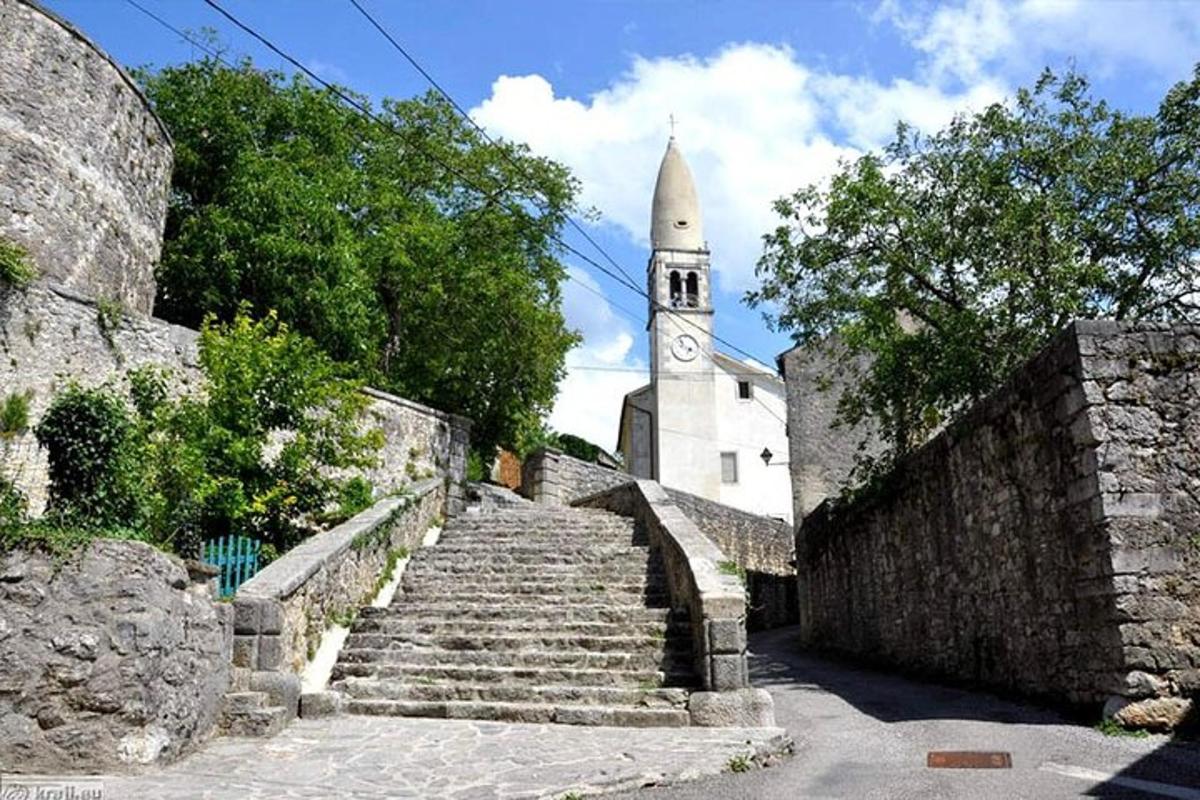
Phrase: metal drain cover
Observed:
(968, 759)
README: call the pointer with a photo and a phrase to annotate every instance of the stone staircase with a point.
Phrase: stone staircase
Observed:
(525, 613)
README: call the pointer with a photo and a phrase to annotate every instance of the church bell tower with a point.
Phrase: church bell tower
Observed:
(681, 347)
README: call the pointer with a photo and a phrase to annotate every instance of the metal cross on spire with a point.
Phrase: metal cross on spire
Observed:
(672, 119)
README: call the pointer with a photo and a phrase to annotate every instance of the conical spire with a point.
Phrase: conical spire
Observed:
(675, 218)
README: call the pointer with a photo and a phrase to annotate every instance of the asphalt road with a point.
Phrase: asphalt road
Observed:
(864, 734)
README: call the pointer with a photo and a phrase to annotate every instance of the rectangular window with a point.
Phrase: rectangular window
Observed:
(745, 389)
(729, 468)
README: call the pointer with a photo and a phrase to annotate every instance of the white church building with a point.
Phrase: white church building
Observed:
(707, 423)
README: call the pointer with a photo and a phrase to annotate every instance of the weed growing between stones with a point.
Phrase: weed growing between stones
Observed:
(739, 762)
(110, 313)
(16, 270)
(394, 557)
(14, 413)
(1110, 727)
(732, 568)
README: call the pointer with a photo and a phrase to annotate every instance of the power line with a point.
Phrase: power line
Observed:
(479, 127)
(628, 281)
(622, 279)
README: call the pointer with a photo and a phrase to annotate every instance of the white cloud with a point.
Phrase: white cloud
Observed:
(589, 400)
(756, 122)
(972, 39)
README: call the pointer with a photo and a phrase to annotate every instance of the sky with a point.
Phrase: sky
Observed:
(767, 97)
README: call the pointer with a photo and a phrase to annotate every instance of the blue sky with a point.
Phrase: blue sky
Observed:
(769, 96)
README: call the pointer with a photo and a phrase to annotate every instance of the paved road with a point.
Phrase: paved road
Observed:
(861, 734)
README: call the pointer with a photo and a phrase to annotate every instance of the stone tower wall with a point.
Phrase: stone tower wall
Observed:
(86, 164)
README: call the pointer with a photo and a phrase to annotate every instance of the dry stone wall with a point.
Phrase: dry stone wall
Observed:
(116, 659)
(50, 336)
(1048, 543)
(85, 163)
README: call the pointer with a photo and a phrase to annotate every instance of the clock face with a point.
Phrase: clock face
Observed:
(685, 348)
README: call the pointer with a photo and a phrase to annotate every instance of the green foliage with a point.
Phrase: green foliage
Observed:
(14, 413)
(369, 237)
(94, 475)
(1110, 727)
(949, 259)
(13, 508)
(733, 569)
(109, 315)
(476, 469)
(16, 269)
(255, 453)
(740, 762)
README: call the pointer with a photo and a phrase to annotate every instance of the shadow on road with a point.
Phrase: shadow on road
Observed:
(780, 664)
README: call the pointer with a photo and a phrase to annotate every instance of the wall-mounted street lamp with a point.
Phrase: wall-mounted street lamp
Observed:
(766, 455)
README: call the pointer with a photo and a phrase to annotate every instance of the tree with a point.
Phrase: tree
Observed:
(949, 259)
(406, 245)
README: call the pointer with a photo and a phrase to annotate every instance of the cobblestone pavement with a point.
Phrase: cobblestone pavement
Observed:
(370, 757)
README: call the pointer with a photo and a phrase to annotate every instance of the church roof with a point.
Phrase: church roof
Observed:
(675, 218)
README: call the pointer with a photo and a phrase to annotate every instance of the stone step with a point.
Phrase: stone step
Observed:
(527, 567)
(431, 674)
(650, 697)
(573, 553)
(670, 661)
(433, 585)
(533, 571)
(525, 712)
(522, 642)
(266, 721)
(548, 540)
(544, 600)
(407, 608)
(237, 702)
(452, 624)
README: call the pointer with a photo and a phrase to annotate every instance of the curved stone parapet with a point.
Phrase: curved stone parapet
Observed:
(85, 164)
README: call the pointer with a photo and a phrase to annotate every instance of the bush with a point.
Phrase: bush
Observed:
(256, 455)
(94, 473)
(252, 454)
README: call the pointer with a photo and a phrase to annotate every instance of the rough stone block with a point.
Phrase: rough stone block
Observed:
(270, 652)
(1157, 713)
(728, 672)
(745, 708)
(271, 617)
(726, 636)
(246, 614)
(245, 650)
(283, 689)
(320, 704)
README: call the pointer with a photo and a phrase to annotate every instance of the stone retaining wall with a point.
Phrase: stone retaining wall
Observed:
(114, 659)
(763, 547)
(50, 336)
(86, 164)
(282, 612)
(715, 600)
(1048, 543)
(552, 477)
(419, 443)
